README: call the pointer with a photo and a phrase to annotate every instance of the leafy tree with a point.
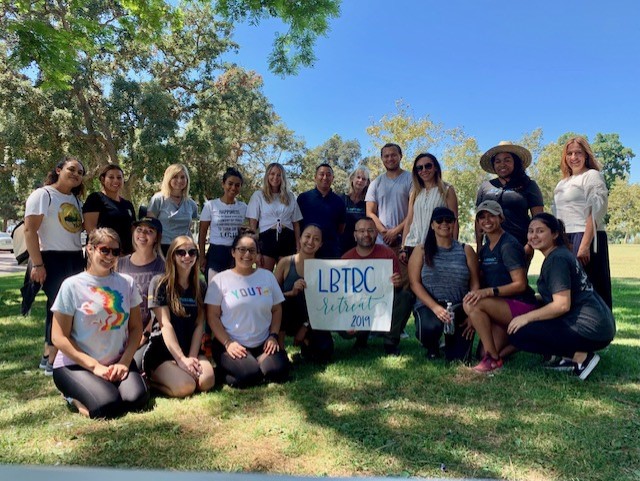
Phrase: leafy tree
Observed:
(614, 157)
(624, 210)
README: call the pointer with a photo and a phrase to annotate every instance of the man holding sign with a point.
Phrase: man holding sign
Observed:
(366, 248)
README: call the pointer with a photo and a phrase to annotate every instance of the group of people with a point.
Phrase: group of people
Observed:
(138, 314)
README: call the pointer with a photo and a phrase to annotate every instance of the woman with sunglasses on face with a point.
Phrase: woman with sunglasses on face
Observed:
(580, 201)
(574, 321)
(144, 264)
(516, 193)
(428, 192)
(440, 271)
(97, 328)
(274, 210)
(244, 311)
(53, 225)
(109, 209)
(173, 362)
(225, 216)
(172, 206)
(506, 293)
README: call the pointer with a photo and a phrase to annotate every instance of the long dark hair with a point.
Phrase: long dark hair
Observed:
(555, 225)
(519, 178)
(53, 175)
(430, 243)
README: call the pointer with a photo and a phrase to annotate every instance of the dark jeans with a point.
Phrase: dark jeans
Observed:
(429, 329)
(103, 399)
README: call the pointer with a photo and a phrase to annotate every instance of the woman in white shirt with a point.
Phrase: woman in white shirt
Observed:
(274, 212)
(580, 201)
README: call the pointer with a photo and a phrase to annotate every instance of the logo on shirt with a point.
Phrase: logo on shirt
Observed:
(250, 292)
(70, 218)
(106, 301)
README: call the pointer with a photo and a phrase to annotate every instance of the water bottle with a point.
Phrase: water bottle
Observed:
(449, 327)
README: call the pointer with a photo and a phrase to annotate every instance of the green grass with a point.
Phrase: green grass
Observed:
(363, 415)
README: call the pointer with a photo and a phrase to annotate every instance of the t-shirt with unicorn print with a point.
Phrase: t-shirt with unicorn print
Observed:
(100, 309)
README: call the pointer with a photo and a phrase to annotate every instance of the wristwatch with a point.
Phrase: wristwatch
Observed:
(496, 292)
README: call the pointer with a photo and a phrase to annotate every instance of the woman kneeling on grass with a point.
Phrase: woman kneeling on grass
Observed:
(244, 311)
(96, 329)
(172, 361)
(577, 320)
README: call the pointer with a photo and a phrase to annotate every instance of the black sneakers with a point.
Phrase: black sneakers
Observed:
(585, 368)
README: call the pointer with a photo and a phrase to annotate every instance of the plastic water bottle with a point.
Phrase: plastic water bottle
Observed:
(449, 327)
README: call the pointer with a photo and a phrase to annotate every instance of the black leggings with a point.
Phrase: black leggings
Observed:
(59, 266)
(248, 371)
(318, 345)
(103, 399)
(429, 329)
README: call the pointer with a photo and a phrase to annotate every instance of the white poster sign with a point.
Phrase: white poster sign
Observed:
(344, 295)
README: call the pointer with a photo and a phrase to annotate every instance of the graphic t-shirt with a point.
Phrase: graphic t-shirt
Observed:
(100, 308)
(246, 303)
(225, 220)
(142, 276)
(62, 222)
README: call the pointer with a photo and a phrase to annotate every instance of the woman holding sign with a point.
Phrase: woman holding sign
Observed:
(314, 345)
(244, 312)
(441, 271)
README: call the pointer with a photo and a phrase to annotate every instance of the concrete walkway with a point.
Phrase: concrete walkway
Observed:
(8, 264)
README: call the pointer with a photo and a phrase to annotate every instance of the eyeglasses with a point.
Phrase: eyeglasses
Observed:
(446, 220)
(425, 167)
(142, 230)
(243, 250)
(184, 252)
(365, 231)
(104, 250)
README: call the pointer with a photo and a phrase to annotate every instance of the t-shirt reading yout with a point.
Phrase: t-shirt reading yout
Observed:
(246, 303)
(225, 220)
(62, 222)
(100, 308)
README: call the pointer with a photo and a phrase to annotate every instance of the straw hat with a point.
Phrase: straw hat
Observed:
(504, 146)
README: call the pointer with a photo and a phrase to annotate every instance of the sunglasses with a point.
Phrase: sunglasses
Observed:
(243, 250)
(419, 168)
(446, 220)
(104, 250)
(184, 252)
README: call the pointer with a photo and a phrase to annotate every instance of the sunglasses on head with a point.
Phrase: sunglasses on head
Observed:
(104, 250)
(446, 220)
(425, 167)
(184, 252)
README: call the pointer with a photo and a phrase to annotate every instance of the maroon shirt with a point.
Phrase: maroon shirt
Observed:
(379, 252)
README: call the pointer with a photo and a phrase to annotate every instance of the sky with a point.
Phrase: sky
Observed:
(496, 69)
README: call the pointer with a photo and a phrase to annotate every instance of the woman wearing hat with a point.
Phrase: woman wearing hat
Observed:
(516, 193)
(441, 271)
(580, 201)
(506, 292)
(144, 264)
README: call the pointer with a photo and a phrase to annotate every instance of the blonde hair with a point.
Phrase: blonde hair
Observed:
(367, 174)
(170, 279)
(590, 162)
(98, 236)
(170, 173)
(285, 196)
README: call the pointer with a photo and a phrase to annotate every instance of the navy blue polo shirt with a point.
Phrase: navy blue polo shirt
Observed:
(329, 213)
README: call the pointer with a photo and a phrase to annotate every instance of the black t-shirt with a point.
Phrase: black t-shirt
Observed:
(589, 316)
(118, 215)
(516, 198)
(496, 265)
(354, 212)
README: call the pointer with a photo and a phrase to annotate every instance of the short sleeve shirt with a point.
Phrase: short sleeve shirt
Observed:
(225, 220)
(392, 198)
(274, 213)
(379, 252)
(142, 276)
(246, 303)
(175, 219)
(117, 215)
(329, 213)
(62, 222)
(100, 307)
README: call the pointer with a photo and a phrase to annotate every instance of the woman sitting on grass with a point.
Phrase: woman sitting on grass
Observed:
(577, 320)
(244, 310)
(172, 361)
(96, 329)
(506, 293)
(440, 271)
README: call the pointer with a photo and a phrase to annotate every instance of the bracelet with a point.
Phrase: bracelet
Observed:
(274, 335)
(227, 342)
(37, 265)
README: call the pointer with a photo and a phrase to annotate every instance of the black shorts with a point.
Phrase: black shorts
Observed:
(219, 258)
(277, 245)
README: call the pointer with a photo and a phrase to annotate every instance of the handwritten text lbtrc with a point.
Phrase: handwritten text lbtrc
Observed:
(346, 279)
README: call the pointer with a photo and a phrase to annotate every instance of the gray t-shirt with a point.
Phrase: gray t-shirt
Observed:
(392, 197)
(142, 276)
(175, 219)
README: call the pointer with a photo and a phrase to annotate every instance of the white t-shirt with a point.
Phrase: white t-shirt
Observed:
(577, 197)
(269, 215)
(225, 220)
(392, 197)
(175, 219)
(246, 303)
(62, 222)
(100, 307)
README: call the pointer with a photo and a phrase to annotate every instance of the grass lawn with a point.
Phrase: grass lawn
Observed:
(363, 415)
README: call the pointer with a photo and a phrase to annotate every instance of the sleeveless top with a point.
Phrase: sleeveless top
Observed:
(425, 202)
(448, 279)
(292, 276)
